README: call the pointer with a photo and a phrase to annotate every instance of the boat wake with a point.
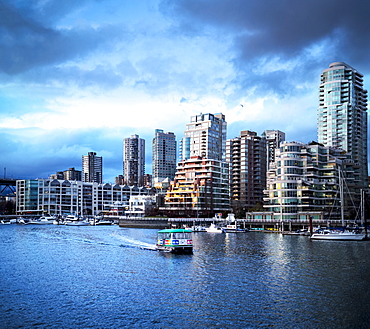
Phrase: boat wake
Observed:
(136, 244)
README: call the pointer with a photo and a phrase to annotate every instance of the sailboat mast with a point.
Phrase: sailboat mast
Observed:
(341, 196)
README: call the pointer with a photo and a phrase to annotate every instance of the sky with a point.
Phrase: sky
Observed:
(80, 76)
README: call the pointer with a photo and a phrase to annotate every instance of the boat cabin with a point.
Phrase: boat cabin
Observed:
(175, 240)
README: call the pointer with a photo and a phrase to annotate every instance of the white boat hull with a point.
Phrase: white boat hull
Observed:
(41, 222)
(77, 223)
(342, 236)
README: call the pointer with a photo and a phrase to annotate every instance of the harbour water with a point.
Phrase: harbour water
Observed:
(110, 277)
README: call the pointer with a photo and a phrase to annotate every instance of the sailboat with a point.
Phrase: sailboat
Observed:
(342, 234)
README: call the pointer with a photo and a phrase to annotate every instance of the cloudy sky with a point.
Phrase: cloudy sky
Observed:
(79, 76)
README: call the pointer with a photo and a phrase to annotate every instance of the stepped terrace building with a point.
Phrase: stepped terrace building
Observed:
(200, 188)
(305, 179)
(58, 197)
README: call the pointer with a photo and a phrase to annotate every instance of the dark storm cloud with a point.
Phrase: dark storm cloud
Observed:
(28, 41)
(284, 31)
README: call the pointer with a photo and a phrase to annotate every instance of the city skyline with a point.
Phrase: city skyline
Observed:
(81, 76)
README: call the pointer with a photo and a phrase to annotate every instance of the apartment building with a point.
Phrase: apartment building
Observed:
(134, 160)
(205, 136)
(92, 168)
(200, 188)
(58, 197)
(342, 114)
(305, 178)
(246, 156)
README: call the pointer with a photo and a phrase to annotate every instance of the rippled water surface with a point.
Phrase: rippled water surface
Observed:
(109, 277)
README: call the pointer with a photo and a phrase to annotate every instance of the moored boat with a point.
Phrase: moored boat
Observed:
(72, 220)
(234, 228)
(43, 220)
(334, 234)
(213, 228)
(344, 233)
(175, 240)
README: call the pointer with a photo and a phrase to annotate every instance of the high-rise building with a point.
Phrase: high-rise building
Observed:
(134, 160)
(205, 136)
(342, 114)
(92, 168)
(273, 139)
(164, 155)
(246, 156)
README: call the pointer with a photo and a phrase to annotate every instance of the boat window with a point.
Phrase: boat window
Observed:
(164, 235)
(182, 235)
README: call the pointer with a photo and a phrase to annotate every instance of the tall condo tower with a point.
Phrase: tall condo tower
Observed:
(342, 114)
(273, 139)
(92, 168)
(134, 160)
(164, 155)
(246, 156)
(205, 136)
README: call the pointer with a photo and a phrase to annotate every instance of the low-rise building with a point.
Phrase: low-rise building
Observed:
(58, 197)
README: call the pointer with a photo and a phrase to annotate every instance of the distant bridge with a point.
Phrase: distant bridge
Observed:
(7, 184)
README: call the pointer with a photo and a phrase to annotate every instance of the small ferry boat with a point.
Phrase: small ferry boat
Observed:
(175, 240)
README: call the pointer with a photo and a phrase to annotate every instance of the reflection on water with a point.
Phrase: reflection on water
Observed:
(104, 277)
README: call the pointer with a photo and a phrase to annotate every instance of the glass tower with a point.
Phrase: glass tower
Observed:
(342, 114)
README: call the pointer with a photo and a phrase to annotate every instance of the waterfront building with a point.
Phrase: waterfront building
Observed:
(305, 179)
(200, 188)
(342, 114)
(246, 156)
(273, 139)
(140, 206)
(163, 155)
(58, 197)
(134, 160)
(92, 168)
(205, 136)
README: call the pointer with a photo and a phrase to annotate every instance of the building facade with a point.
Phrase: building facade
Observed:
(59, 197)
(342, 114)
(273, 139)
(200, 189)
(163, 155)
(92, 168)
(72, 174)
(134, 160)
(246, 156)
(305, 178)
(205, 136)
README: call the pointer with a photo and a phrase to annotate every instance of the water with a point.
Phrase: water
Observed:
(109, 277)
